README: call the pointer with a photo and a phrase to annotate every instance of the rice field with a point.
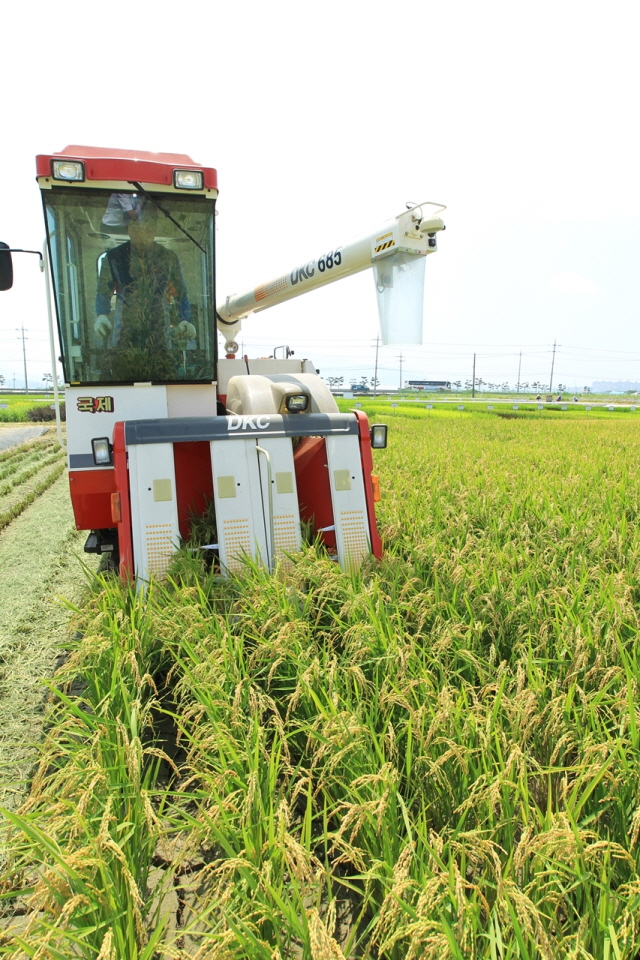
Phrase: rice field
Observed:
(14, 407)
(39, 549)
(436, 758)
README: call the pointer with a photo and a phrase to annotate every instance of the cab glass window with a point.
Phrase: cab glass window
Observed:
(134, 287)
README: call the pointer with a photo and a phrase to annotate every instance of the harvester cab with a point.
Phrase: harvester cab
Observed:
(160, 430)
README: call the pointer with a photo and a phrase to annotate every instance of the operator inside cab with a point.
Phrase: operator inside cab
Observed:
(151, 310)
(133, 277)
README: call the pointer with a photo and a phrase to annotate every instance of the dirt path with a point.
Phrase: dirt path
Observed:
(10, 436)
(40, 556)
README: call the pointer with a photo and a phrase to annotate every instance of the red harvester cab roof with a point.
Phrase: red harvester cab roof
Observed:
(106, 163)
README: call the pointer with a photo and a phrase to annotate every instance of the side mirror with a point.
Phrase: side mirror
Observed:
(6, 267)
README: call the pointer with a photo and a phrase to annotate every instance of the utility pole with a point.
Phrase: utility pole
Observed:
(375, 373)
(553, 360)
(400, 358)
(14, 379)
(473, 379)
(21, 332)
(519, 369)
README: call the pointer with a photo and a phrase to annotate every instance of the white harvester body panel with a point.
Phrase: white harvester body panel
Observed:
(348, 499)
(154, 512)
(240, 515)
(94, 411)
(283, 506)
(191, 400)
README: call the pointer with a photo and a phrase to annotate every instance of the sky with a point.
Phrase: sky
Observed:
(323, 120)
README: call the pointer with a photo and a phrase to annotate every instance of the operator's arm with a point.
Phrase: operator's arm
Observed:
(179, 290)
(106, 288)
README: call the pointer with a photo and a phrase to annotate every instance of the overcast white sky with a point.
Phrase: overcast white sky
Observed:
(322, 120)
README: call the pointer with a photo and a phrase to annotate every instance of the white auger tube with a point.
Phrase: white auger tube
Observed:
(390, 250)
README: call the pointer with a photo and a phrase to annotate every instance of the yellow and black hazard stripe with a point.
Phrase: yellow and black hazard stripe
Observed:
(384, 246)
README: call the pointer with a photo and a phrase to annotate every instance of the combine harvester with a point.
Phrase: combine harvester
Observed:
(157, 425)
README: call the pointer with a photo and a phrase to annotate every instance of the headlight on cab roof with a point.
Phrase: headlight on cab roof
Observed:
(188, 179)
(102, 452)
(67, 170)
(297, 402)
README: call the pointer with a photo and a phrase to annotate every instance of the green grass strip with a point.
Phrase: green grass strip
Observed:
(18, 462)
(16, 509)
(20, 449)
(31, 471)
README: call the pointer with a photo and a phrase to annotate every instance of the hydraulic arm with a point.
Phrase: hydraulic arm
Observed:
(412, 234)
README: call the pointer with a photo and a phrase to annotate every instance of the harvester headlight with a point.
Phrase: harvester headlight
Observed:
(102, 452)
(68, 170)
(297, 402)
(188, 179)
(378, 436)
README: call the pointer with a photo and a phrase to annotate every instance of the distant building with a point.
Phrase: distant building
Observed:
(429, 384)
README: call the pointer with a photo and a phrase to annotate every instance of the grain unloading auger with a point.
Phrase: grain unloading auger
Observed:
(158, 427)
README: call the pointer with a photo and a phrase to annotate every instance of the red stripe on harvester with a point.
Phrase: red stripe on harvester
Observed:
(125, 539)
